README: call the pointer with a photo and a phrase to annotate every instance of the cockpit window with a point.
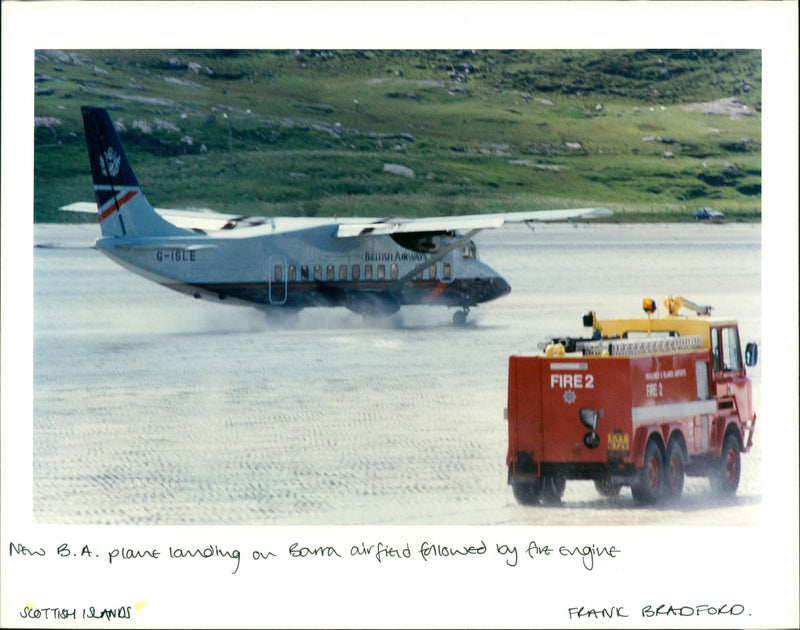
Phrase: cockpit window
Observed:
(731, 353)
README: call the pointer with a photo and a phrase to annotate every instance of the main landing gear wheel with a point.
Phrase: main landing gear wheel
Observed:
(724, 477)
(460, 317)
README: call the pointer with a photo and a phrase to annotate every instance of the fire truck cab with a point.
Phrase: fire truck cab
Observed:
(643, 402)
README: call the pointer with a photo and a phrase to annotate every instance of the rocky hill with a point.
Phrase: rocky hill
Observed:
(652, 134)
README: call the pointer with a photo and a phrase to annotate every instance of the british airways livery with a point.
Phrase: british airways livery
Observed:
(370, 266)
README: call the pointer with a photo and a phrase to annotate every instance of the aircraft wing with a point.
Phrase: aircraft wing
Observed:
(207, 220)
(201, 218)
(204, 219)
(465, 222)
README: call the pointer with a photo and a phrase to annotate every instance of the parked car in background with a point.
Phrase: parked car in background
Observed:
(707, 213)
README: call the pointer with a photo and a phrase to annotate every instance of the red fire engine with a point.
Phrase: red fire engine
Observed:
(643, 402)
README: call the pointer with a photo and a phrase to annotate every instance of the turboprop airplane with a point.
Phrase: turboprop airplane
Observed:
(370, 266)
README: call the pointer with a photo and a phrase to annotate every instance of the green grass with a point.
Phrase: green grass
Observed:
(483, 131)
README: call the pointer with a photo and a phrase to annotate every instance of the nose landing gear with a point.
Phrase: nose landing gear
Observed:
(460, 317)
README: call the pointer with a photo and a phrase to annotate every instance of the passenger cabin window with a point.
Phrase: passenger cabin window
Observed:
(469, 251)
(342, 272)
(367, 272)
(393, 272)
(304, 272)
(278, 273)
(447, 272)
(356, 272)
(432, 272)
(317, 273)
(292, 273)
(329, 273)
(381, 272)
(731, 354)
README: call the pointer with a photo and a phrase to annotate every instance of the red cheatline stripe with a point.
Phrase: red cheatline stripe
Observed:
(436, 291)
(118, 204)
(107, 213)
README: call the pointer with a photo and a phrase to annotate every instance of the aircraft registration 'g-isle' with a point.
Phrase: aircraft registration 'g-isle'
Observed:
(370, 266)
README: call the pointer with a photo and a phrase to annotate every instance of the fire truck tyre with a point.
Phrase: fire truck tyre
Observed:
(553, 489)
(727, 468)
(674, 471)
(607, 488)
(528, 491)
(648, 487)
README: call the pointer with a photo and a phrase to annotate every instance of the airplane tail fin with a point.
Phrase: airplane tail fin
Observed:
(122, 207)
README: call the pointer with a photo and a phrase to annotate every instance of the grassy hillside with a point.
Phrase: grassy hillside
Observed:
(324, 132)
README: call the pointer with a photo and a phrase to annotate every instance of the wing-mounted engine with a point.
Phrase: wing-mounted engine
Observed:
(424, 242)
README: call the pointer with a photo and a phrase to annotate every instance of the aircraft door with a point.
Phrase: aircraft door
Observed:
(277, 280)
(448, 269)
(442, 270)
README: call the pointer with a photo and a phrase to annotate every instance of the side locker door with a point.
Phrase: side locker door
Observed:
(698, 440)
(524, 412)
(277, 279)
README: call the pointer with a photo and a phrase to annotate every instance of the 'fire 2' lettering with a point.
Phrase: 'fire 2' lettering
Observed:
(573, 381)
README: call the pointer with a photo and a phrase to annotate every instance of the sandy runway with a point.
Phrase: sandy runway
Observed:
(151, 408)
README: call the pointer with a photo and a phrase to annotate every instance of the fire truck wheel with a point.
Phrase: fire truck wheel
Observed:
(674, 470)
(727, 468)
(648, 487)
(607, 488)
(528, 491)
(553, 489)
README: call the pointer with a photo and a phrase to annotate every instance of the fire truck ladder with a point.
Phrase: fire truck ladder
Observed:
(639, 347)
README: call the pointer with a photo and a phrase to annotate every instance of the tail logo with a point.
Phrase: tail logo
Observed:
(109, 163)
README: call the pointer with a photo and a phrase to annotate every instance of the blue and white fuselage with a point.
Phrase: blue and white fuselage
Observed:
(271, 266)
(370, 266)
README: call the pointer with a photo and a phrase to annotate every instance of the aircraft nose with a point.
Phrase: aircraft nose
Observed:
(498, 288)
(503, 287)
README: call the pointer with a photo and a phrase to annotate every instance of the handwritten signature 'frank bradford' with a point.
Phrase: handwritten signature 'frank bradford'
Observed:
(660, 610)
